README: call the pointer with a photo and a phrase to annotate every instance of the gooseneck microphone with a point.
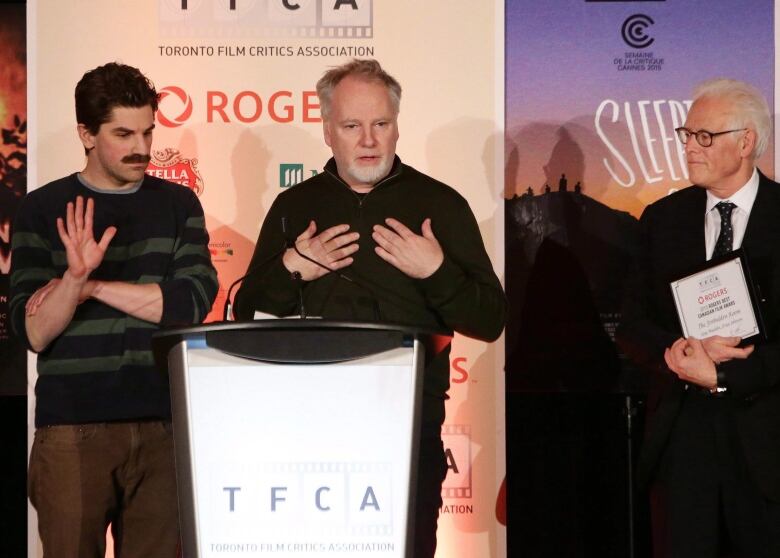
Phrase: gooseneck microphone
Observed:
(296, 276)
(227, 313)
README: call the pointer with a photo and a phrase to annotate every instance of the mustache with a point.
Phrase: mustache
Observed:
(132, 159)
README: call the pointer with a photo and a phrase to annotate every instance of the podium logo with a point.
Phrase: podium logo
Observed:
(349, 498)
(332, 19)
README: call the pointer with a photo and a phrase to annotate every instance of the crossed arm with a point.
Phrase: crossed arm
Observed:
(51, 308)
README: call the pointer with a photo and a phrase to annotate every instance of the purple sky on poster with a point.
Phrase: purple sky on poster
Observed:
(580, 100)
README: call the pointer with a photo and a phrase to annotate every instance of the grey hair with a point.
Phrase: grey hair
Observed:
(750, 107)
(367, 69)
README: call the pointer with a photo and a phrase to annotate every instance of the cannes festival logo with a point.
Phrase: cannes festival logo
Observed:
(634, 31)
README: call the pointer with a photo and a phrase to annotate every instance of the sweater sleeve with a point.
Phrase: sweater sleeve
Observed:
(191, 284)
(464, 292)
(31, 261)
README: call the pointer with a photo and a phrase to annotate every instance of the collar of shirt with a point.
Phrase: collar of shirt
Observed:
(743, 199)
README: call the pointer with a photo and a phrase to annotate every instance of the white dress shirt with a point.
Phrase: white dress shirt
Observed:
(743, 199)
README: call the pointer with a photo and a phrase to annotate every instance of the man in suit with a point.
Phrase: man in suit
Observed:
(711, 454)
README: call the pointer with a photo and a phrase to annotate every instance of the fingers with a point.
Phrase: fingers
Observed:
(384, 237)
(333, 232)
(37, 298)
(427, 230)
(727, 341)
(308, 233)
(331, 249)
(742, 352)
(334, 244)
(721, 349)
(88, 214)
(400, 229)
(63, 233)
(79, 220)
(70, 220)
(387, 256)
(108, 235)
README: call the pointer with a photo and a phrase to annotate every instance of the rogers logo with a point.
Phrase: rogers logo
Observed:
(246, 106)
(185, 101)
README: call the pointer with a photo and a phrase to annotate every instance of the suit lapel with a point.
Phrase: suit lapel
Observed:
(761, 215)
(694, 227)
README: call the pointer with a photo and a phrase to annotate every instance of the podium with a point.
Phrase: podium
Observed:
(295, 438)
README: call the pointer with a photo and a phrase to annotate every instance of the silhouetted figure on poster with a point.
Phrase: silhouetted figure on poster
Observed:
(563, 183)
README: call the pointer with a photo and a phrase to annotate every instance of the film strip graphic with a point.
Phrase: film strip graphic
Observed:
(457, 445)
(379, 470)
(312, 19)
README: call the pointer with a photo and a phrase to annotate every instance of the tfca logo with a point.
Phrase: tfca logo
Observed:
(322, 17)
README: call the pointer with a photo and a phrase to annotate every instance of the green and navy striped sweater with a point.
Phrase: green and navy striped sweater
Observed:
(101, 367)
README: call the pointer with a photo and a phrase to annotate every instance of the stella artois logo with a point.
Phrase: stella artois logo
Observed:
(169, 164)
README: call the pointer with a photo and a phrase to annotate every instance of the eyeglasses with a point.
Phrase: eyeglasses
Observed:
(703, 137)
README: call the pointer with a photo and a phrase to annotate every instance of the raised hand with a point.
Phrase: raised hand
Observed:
(333, 248)
(83, 253)
(418, 256)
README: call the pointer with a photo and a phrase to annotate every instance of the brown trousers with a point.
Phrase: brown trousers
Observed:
(84, 477)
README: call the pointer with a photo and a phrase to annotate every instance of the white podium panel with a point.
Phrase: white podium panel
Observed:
(295, 459)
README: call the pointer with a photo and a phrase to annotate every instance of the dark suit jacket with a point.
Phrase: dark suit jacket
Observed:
(672, 243)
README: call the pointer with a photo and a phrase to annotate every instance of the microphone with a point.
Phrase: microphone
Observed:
(296, 275)
(227, 313)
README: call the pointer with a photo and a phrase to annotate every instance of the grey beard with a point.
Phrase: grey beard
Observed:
(369, 175)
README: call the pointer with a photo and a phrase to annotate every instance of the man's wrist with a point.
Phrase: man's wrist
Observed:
(69, 278)
(720, 381)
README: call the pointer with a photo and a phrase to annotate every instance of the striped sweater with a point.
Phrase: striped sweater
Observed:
(101, 367)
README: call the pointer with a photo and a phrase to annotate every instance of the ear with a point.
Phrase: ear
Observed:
(747, 143)
(326, 131)
(86, 137)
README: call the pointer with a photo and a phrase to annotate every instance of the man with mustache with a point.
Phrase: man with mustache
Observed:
(101, 260)
(711, 453)
(409, 244)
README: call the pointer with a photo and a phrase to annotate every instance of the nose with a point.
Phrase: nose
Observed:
(367, 138)
(691, 146)
(142, 144)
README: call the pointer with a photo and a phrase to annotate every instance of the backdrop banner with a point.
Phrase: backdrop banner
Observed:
(13, 180)
(594, 92)
(239, 122)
